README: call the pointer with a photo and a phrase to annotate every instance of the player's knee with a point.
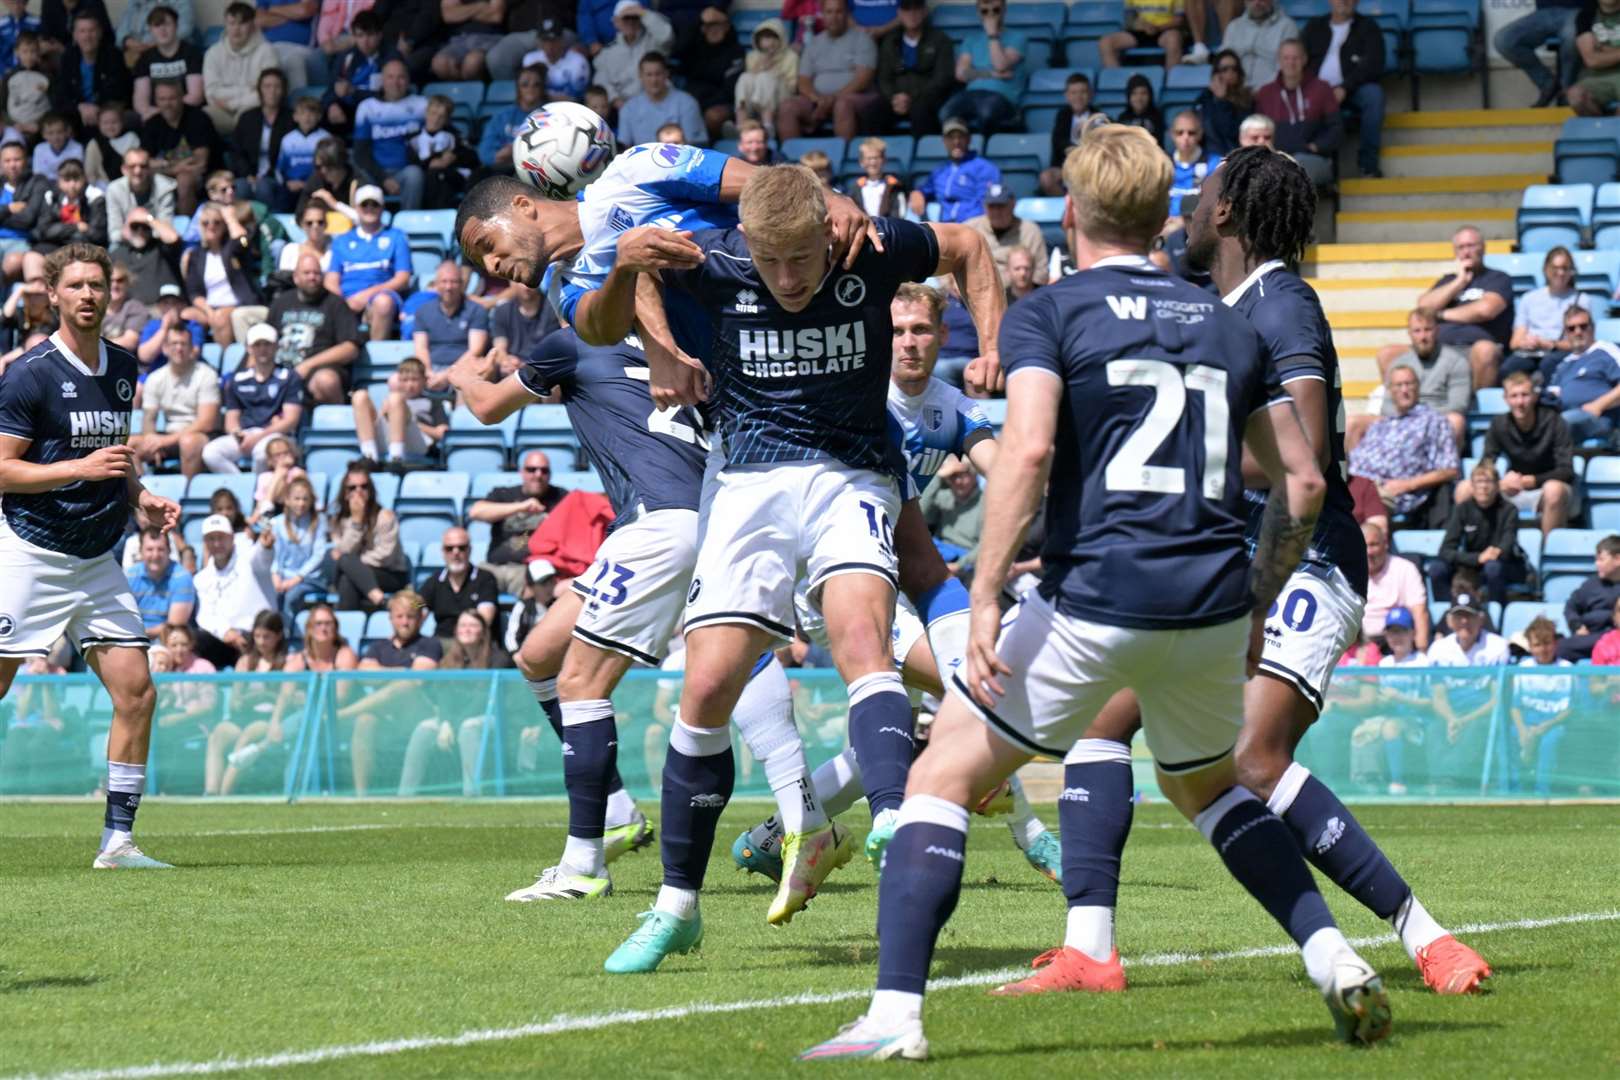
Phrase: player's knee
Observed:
(1260, 767)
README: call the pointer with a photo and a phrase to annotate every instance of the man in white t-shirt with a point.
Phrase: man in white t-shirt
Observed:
(1392, 582)
(1469, 644)
(233, 585)
(185, 395)
(1464, 704)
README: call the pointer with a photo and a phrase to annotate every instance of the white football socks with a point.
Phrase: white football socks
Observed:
(1416, 926)
(681, 903)
(1091, 930)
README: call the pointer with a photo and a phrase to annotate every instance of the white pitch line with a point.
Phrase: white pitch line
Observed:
(595, 1021)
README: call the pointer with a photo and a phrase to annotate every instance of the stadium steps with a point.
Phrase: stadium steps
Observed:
(1469, 158)
(1452, 193)
(1395, 226)
(1428, 128)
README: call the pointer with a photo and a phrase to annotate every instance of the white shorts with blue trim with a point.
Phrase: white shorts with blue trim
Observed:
(635, 591)
(1315, 619)
(768, 527)
(47, 594)
(1064, 669)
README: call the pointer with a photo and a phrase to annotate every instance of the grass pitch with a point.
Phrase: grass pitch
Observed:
(343, 940)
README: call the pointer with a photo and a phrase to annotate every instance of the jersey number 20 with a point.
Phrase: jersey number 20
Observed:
(1129, 469)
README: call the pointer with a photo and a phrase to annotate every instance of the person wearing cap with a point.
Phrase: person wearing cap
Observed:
(1463, 704)
(513, 513)
(836, 79)
(915, 72)
(383, 126)
(960, 183)
(539, 591)
(1392, 582)
(167, 311)
(1470, 643)
(371, 265)
(233, 585)
(185, 396)
(658, 104)
(710, 65)
(261, 399)
(992, 65)
(639, 32)
(568, 73)
(1005, 231)
(495, 146)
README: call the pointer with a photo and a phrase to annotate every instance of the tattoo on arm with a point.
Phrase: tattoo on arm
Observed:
(1283, 538)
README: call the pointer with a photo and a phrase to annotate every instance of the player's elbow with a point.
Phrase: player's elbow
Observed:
(1306, 490)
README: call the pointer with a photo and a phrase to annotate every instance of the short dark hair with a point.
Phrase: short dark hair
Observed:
(1077, 78)
(173, 84)
(239, 12)
(652, 56)
(161, 13)
(367, 22)
(271, 73)
(63, 257)
(70, 170)
(28, 37)
(488, 198)
(81, 16)
(1609, 545)
(52, 118)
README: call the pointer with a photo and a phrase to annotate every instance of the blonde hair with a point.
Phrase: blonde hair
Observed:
(783, 204)
(815, 159)
(875, 145)
(910, 292)
(1485, 468)
(1119, 182)
(408, 598)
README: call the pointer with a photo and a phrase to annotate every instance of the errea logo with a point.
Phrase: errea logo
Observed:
(68, 389)
(748, 302)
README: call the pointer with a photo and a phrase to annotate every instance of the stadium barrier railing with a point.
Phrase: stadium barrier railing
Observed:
(1430, 734)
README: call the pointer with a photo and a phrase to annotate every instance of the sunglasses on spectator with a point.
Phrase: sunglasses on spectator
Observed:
(356, 487)
(458, 547)
(537, 469)
(1578, 326)
(1226, 68)
(714, 22)
(990, 10)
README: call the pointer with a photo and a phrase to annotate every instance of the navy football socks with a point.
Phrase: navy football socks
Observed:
(1094, 818)
(918, 890)
(880, 731)
(699, 773)
(590, 748)
(1261, 854)
(1335, 843)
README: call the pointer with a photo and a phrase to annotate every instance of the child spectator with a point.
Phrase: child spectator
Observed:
(69, 213)
(597, 100)
(300, 549)
(1606, 652)
(1541, 704)
(770, 76)
(446, 159)
(28, 89)
(1483, 532)
(879, 193)
(104, 154)
(172, 56)
(819, 163)
(1068, 126)
(16, 24)
(1140, 110)
(415, 422)
(296, 162)
(1411, 691)
(56, 146)
(1587, 611)
(278, 470)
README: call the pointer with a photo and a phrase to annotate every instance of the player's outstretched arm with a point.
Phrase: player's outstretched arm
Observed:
(676, 378)
(1277, 441)
(604, 316)
(19, 477)
(489, 402)
(965, 255)
(1011, 497)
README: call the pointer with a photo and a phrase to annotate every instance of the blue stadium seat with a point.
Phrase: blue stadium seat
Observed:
(424, 264)
(1603, 480)
(467, 430)
(167, 485)
(329, 462)
(289, 222)
(433, 493)
(794, 149)
(1444, 36)
(1082, 53)
(579, 480)
(1418, 543)
(475, 459)
(1553, 215)
(1392, 17)
(1489, 401)
(424, 529)
(1089, 21)
(1606, 213)
(380, 360)
(1040, 118)
(1529, 541)
(1521, 613)
(1606, 517)
(1524, 269)
(484, 483)
(1557, 589)
(1569, 551)
(232, 357)
(331, 427)
(1111, 85)
(501, 92)
(203, 485)
(1591, 157)
(1597, 271)
(429, 229)
(546, 427)
(1183, 84)
(1050, 81)
(744, 20)
(1302, 11)
(213, 354)
(948, 17)
(1037, 16)
(1606, 329)
(387, 485)
(727, 147)
(1018, 152)
(466, 95)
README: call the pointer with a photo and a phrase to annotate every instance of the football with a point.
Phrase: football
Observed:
(561, 148)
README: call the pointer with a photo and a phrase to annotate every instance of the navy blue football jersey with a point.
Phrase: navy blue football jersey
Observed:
(813, 384)
(1299, 345)
(1145, 513)
(648, 458)
(50, 398)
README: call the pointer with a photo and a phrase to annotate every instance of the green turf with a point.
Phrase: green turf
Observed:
(292, 941)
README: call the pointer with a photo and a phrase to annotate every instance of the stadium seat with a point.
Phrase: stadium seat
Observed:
(1444, 39)
(1569, 551)
(380, 360)
(1037, 16)
(484, 483)
(1111, 85)
(1587, 150)
(1596, 272)
(1557, 589)
(433, 493)
(1554, 215)
(165, 485)
(1418, 543)
(1530, 542)
(1524, 269)
(424, 529)
(331, 426)
(1015, 153)
(289, 223)
(202, 488)
(1606, 213)
(475, 459)
(466, 96)
(1606, 517)
(428, 229)
(948, 17)
(424, 264)
(1302, 11)
(1603, 480)
(1392, 17)
(744, 20)
(467, 430)
(232, 357)
(1606, 329)
(1039, 118)
(1519, 614)
(794, 149)
(501, 92)
(213, 354)
(1489, 401)
(1051, 80)
(331, 461)
(1183, 84)
(1088, 22)
(727, 147)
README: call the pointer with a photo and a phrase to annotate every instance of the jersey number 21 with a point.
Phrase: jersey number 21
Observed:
(1129, 470)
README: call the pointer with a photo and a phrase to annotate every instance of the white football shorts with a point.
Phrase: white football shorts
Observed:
(635, 591)
(1064, 670)
(1315, 619)
(48, 594)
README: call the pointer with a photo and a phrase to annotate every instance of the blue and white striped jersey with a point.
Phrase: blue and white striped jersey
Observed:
(65, 411)
(937, 423)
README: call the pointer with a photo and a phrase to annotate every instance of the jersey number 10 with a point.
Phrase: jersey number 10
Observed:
(1129, 469)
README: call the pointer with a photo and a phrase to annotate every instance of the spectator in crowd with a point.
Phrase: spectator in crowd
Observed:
(28, 317)
(220, 275)
(13, 25)
(495, 147)
(125, 314)
(992, 67)
(1470, 643)
(657, 104)
(168, 311)
(289, 28)
(449, 330)
(915, 72)
(133, 32)
(1305, 111)
(406, 649)
(1411, 455)
(475, 28)
(28, 87)
(1482, 535)
(710, 65)
(56, 21)
(295, 161)
(593, 22)
(1474, 305)
(467, 646)
(879, 192)
(266, 652)
(55, 146)
(1005, 231)
(1224, 103)
(186, 708)
(162, 588)
(300, 549)
(1606, 653)
(1540, 456)
(316, 334)
(18, 190)
(415, 422)
(256, 142)
(171, 56)
(280, 468)
(819, 163)
(1148, 24)
(1519, 40)
(1445, 379)
(324, 648)
(1597, 29)
(261, 399)
(1392, 583)
(1257, 36)
(538, 594)
(367, 561)
(960, 183)
(358, 72)
(1257, 130)
(104, 153)
(1577, 339)
(513, 513)
(371, 265)
(753, 145)
(232, 66)
(1020, 275)
(1346, 52)
(1540, 706)
(953, 507)
(1587, 390)
(638, 32)
(183, 144)
(1589, 610)
(1068, 126)
(459, 587)
(1140, 109)
(1190, 163)
(596, 100)
(185, 396)
(836, 79)
(516, 325)
(233, 586)
(91, 71)
(70, 212)
(383, 125)
(445, 159)
(1538, 315)
(1464, 705)
(568, 73)
(770, 75)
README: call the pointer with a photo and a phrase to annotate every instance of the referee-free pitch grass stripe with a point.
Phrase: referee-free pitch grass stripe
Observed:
(593, 1021)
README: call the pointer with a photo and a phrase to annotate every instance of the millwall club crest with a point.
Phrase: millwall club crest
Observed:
(849, 290)
(125, 391)
(68, 389)
(692, 593)
(7, 625)
(935, 418)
